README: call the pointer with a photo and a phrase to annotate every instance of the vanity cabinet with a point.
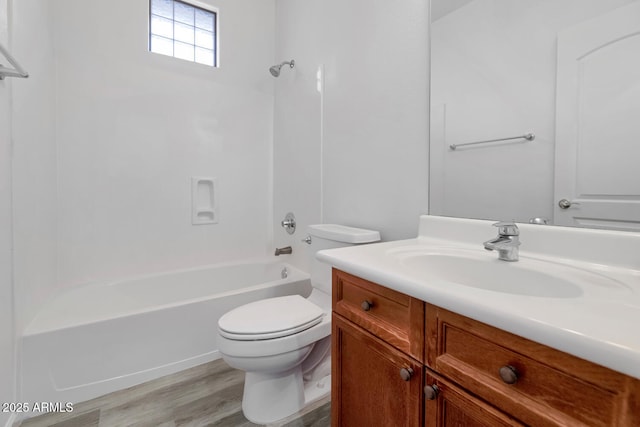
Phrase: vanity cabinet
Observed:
(398, 361)
(533, 383)
(377, 352)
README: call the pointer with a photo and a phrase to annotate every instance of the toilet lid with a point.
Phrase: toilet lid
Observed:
(270, 318)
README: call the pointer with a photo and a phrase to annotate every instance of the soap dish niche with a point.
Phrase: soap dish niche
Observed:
(204, 203)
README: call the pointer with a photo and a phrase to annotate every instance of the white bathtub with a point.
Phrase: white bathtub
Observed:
(96, 339)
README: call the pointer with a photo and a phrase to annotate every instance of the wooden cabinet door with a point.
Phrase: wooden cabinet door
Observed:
(368, 388)
(446, 405)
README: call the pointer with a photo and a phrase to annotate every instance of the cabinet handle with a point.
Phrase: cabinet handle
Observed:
(366, 305)
(508, 374)
(431, 392)
(406, 374)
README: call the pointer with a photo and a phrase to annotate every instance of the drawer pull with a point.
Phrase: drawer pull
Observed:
(406, 374)
(431, 392)
(509, 374)
(366, 305)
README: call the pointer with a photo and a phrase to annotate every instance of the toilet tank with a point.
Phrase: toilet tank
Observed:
(330, 236)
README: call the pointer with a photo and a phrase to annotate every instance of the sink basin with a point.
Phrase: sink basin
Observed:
(527, 277)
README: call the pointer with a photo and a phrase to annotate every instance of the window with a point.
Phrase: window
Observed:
(183, 31)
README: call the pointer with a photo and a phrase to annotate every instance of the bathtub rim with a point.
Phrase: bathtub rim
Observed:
(39, 326)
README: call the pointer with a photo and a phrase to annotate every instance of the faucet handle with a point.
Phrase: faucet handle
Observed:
(507, 228)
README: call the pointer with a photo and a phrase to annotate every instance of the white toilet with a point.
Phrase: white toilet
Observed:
(284, 344)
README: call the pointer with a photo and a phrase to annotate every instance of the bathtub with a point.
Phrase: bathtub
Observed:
(99, 338)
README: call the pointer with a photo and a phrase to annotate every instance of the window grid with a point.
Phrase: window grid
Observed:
(183, 31)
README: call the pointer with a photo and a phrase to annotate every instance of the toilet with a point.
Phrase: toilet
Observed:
(284, 344)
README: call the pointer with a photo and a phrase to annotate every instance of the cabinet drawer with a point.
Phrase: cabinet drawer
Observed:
(392, 316)
(550, 388)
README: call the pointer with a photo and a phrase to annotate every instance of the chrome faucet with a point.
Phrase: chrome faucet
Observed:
(284, 251)
(507, 241)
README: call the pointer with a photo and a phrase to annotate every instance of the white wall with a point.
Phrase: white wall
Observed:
(377, 115)
(360, 157)
(7, 340)
(493, 76)
(34, 158)
(133, 127)
(297, 123)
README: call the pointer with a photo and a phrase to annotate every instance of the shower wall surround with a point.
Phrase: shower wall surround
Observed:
(34, 158)
(357, 155)
(103, 183)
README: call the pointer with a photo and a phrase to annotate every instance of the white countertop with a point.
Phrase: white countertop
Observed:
(600, 325)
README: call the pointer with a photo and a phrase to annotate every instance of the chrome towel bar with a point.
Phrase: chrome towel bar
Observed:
(16, 71)
(528, 137)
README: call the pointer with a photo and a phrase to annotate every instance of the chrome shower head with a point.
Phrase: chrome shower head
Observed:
(275, 70)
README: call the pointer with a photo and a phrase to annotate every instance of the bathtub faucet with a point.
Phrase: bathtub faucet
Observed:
(284, 251)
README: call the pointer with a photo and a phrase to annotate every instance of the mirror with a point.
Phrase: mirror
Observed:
(565, 71)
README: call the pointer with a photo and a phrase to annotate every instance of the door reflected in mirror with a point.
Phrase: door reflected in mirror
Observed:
(567, 72)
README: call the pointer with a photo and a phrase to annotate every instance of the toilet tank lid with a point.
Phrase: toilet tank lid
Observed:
(341, 233)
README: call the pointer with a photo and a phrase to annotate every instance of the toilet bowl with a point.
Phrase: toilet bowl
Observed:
(284, 344)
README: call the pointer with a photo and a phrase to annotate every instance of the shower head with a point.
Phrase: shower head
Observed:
(275, 70)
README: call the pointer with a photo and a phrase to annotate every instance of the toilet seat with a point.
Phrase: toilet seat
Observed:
(270, 318)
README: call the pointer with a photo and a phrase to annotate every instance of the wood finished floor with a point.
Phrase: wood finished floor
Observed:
(207, 395)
